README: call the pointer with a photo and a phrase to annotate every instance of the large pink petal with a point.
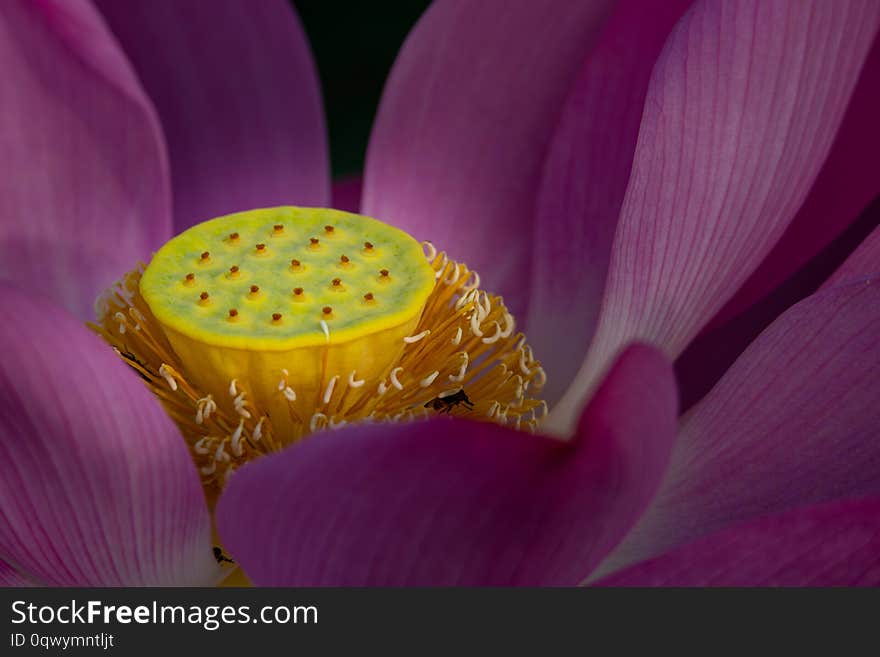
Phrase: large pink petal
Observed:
(793, 422)
(583, 183)
(847, 183)
(864, 262)
(447, 502)
(465, 122)
(238, 96)
(96, 485)
(742, 108)
(84, 192)
(830, 545)
(711, 353)
(9, 576)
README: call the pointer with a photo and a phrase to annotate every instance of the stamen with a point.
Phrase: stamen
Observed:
(204, 299)
(236, 439)
(462, 369)
(328, 393)
(475, 325)
(260, 249)
(352, 383)
(412, 339)
(393, 376)
(457, 339)
(432, 252)
(122, 321)
(233, 272)
(277, 229)
(190, 280)
(233, 391)
(257, 433)
(522, 363)
(220, 456)
(201, 445)
(313, 423)
(165, 372)
(428, 380)
(467, 287)
(494, 338)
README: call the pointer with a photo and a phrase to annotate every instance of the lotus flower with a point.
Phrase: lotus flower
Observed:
(624, 173)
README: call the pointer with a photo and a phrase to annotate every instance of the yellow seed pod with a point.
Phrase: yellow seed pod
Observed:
(297, 279)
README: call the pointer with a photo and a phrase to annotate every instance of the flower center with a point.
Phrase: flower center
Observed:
(261, 327)
(287, 295)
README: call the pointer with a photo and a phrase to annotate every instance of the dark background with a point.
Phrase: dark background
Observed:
(354, 44)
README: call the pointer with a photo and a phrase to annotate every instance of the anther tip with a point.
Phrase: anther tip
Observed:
(276, 317)
(337, 282)
(329, 229)
(368, 246)
(368, 296)
(233, 268)
(295, 263)
(343, 259)
(327, 310)
(233, 236)
(233, 312)
(203, 296)
(261, 247)
(190, 277)
(383, 273)
(205, 255)
(314, 240)
(297, 291)
(278, 228)
(255, 289)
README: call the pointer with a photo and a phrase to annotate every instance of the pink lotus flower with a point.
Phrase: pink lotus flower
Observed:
(622, 172)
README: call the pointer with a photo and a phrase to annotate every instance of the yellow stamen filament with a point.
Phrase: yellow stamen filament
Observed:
(461, 340)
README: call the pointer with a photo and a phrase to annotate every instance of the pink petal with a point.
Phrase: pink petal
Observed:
(9, 576)
(465, 121)
(584, 179)
(831, 545)
(848, 181)
(446, 502)
(84, 193)
(743, 104)
(794, 421)
(712, 352)
(347, 193)
(96, 485)
(864, 262)
(237, 93)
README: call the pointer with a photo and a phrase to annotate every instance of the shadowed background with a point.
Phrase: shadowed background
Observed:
(354, 45)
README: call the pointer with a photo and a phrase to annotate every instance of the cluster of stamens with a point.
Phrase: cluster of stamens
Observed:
(462, 357)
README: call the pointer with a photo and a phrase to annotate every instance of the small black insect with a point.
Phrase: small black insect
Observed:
(220, 557)
(446, 404)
